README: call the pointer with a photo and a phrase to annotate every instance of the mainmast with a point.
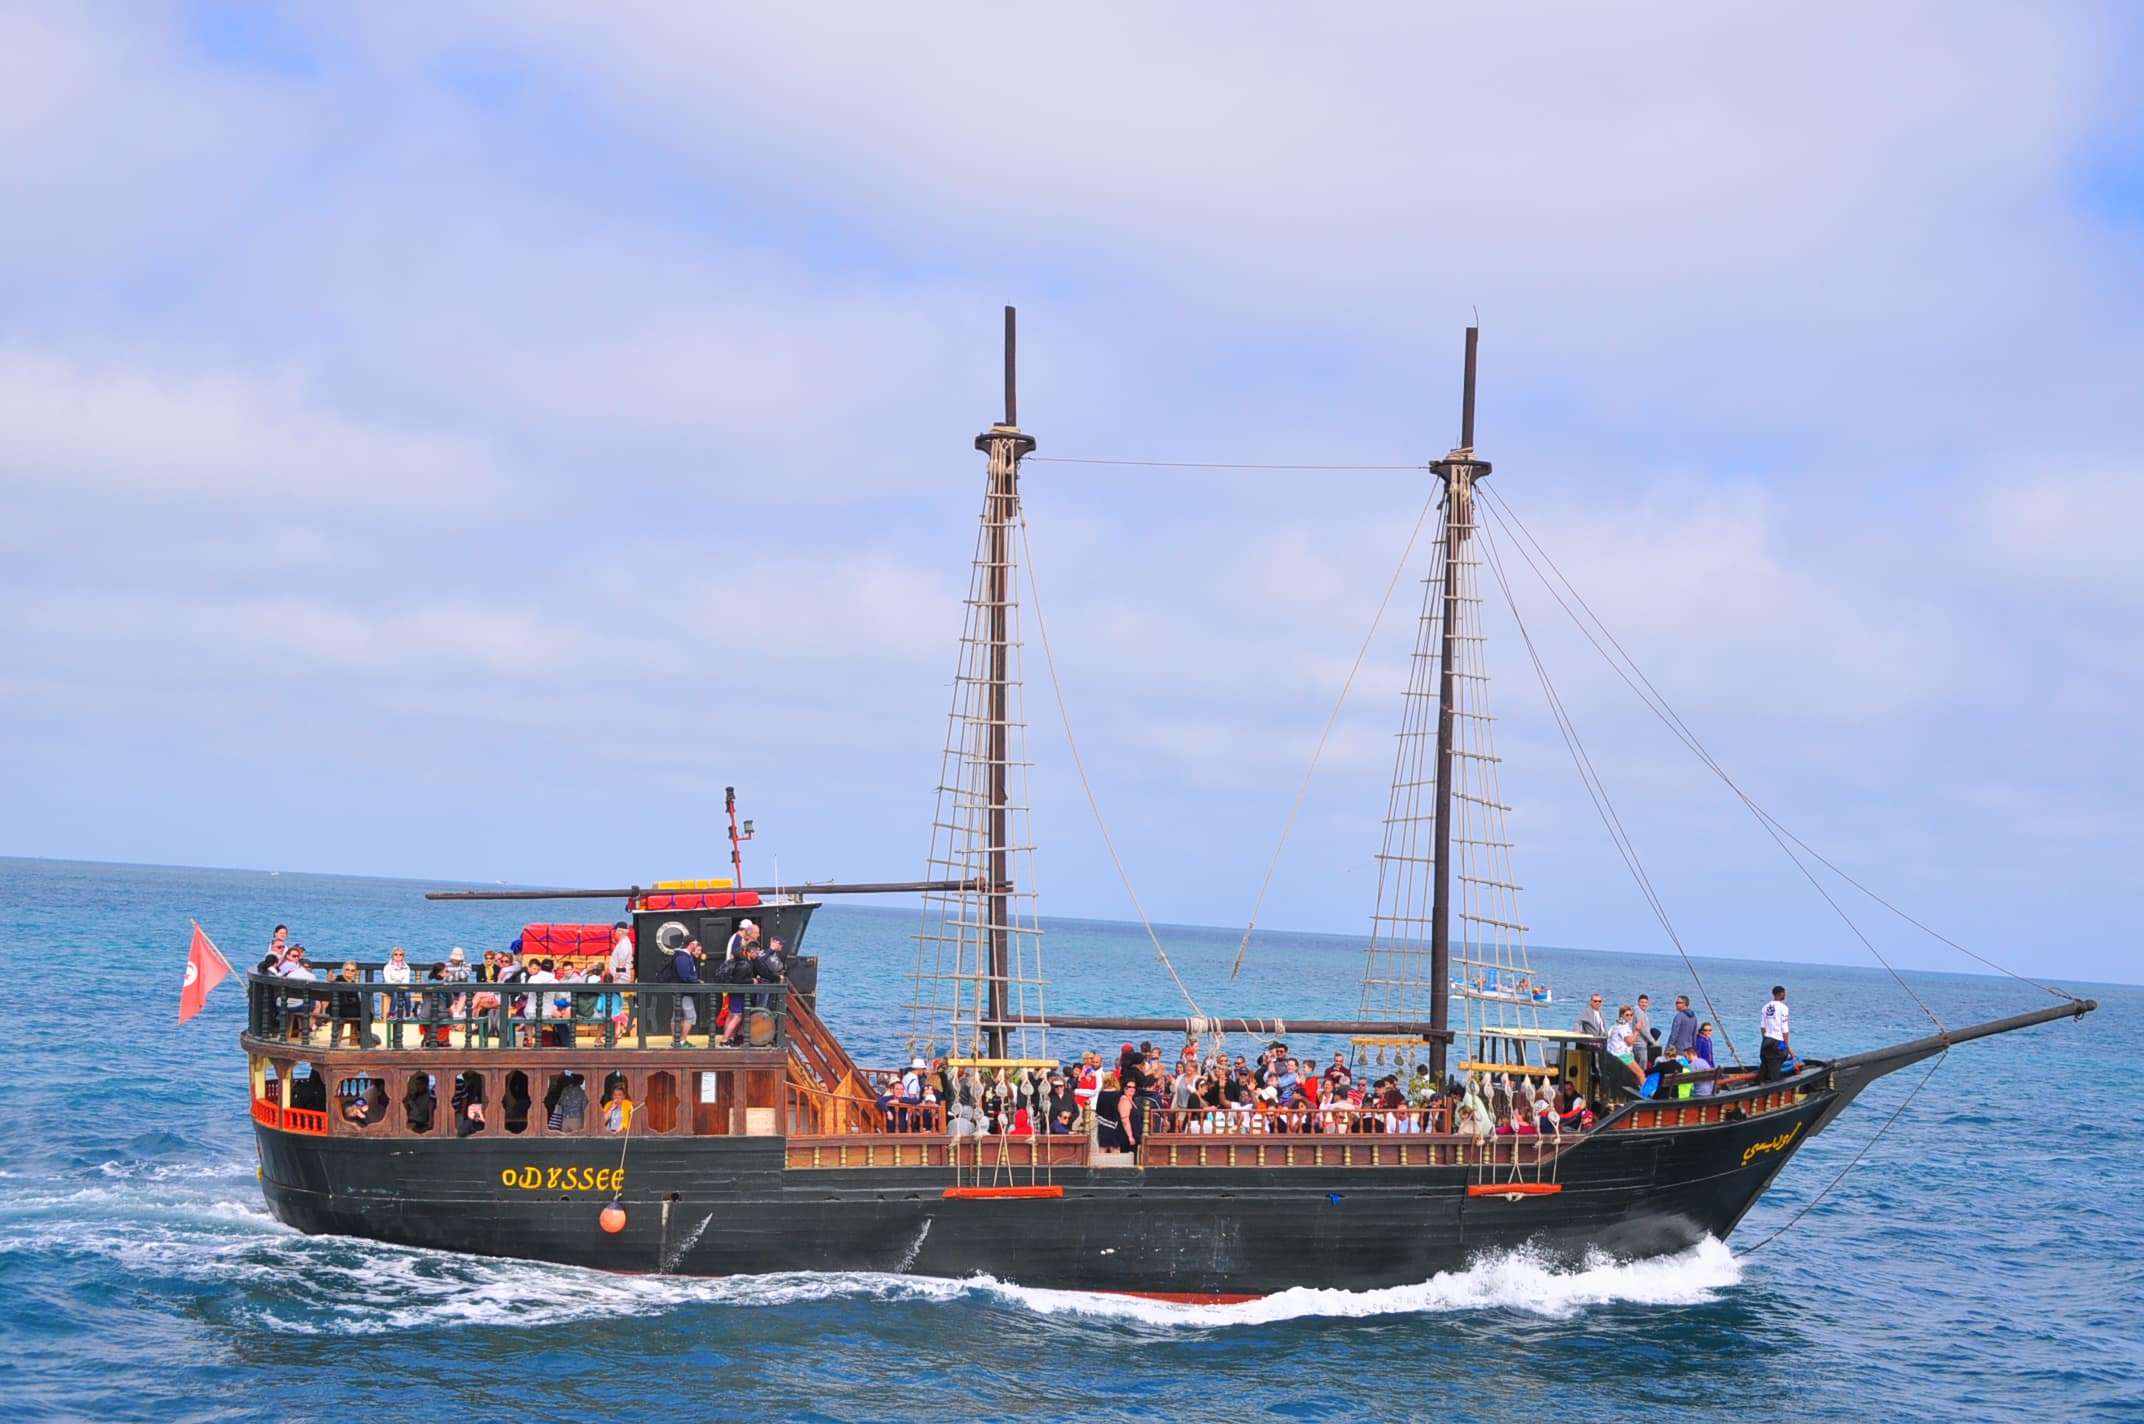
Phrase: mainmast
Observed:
(1458, 470)
(1004, 444)
(979, 963)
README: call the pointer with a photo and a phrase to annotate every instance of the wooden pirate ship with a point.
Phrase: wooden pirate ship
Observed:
(719, 1125)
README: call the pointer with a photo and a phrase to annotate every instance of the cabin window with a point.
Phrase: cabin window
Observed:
(308, 1088)
(361, 1102)
(267, 1082)
(420, 1102)
(514, 1102)
(614, 1110)
(662, 1102)
(565, 1103)
(762, 1091)
(713, 1100)
(469, 1106)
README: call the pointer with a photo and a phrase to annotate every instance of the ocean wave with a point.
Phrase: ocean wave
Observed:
(197, 1223)
(359, 1287)
(1523, 1280)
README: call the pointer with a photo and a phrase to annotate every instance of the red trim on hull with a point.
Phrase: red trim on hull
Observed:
(1515, 1189)
(993, 1193)
(1186, 1297)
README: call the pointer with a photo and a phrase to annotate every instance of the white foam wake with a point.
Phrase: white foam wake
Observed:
(1523, 1280)
(333, 1285)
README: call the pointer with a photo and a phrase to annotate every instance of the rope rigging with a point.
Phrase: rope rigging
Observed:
(1874, 1137)
(1049, 661)
(1333, 717)
(1201, 464)
(1659, 707)
(1602, 639)
(1597, 792)
(1500, 510)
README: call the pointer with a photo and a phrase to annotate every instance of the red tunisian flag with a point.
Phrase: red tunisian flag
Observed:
(205, 969)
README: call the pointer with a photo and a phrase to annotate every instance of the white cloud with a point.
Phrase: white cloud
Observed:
(105, 428)
(2073, 529)
(711, 295)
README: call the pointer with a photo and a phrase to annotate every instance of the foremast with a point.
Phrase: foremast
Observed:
(979, 976)
(1446, 852)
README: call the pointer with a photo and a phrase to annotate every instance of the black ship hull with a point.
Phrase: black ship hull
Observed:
(729, 1206)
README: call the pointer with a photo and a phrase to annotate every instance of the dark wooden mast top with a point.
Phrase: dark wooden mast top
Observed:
(1004, 444)
(1458, 470)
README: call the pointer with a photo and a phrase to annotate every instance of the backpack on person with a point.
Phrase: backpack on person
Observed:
(666, 972)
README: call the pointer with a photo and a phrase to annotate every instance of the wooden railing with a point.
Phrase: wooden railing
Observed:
(828, 1114)
(1699, 1112)
(811, 1111)
(1272, 1121)
(372, 1014)
(305, 1120)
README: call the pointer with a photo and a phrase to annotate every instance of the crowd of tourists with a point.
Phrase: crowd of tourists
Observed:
(1141, 1092)
(509, 993)
(1684, 1061)
(1120, 1102)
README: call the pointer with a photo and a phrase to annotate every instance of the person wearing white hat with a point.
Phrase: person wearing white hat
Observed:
(746, 933)
(912, 1083)
(456, 972)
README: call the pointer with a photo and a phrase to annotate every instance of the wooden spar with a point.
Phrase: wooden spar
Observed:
(1884, 1060)
(1004, 444)
(634, 892)
(1005, 474)
(1250, 1027)
(1459, 471)
(1012, 384)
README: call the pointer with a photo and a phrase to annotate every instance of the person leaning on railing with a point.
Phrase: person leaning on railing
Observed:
(395, 1006)
(617, 1110)
(298, 1009)
(345, 1007)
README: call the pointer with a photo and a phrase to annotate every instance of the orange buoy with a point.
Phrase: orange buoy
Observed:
(612, 1219)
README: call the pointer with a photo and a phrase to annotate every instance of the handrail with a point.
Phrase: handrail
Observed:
(493, 1015)
(810, 1108)
(1331, 1120)
(305, 1120)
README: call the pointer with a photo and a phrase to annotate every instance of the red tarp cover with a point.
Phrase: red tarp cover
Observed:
(569, 941)
(697, 900)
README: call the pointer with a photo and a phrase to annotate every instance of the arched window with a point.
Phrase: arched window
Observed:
(361, 1103)
(469, 1106)
(565, 1103)
(662, 1101)
(514, 1102)
(420, 1102)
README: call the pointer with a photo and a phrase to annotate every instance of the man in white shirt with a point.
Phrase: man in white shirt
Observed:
(298, 1011)
(1772, 1023)
(746, 933)
(540, 1005)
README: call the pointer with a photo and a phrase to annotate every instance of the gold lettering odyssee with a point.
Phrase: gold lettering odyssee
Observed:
(568, 1179)
(1772, 1144)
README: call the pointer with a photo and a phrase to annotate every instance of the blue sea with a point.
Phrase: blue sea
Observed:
(1985, 1260)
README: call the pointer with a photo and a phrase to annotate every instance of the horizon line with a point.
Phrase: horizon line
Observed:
(877, 903)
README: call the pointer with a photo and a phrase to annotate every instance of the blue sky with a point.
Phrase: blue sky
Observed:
(460, 445)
